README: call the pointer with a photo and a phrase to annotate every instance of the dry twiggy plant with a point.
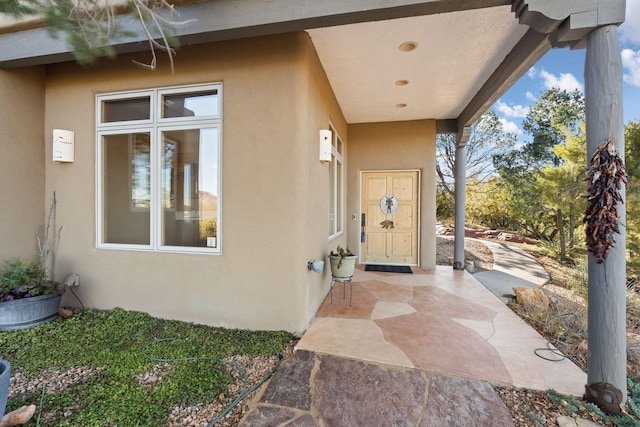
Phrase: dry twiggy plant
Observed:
(91, 27)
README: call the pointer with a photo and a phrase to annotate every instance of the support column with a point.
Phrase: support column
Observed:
(607, 281)
(460, 175)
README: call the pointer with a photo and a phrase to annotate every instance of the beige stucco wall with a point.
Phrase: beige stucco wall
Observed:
(322, 108)
(22, 197)
(274, 192)
(395, 146)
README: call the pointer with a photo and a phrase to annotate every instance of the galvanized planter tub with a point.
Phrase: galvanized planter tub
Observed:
(5, 380)
(27, 312)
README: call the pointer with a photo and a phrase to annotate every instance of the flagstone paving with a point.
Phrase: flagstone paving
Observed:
(316, 390)
(418, 349)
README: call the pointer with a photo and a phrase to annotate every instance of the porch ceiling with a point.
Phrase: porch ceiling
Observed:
(469, 51)
(456, 54)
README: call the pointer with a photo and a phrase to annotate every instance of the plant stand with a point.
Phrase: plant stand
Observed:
(344, 281)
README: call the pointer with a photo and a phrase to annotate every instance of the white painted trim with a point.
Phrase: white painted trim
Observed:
(339, 158)
(155, 126)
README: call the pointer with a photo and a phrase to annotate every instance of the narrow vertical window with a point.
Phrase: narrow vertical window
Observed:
(336, 186)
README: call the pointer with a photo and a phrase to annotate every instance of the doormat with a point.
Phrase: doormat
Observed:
(389, 268)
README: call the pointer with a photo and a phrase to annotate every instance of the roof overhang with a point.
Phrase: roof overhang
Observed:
(469, 52)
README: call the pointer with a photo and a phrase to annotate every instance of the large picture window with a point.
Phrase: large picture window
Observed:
(158, 169)
(336, 178)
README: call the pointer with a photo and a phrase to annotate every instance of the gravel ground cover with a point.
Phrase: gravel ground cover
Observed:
(115, 367)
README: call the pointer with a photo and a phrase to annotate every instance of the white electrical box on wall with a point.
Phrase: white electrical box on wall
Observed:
(325, 145)
(63, 145)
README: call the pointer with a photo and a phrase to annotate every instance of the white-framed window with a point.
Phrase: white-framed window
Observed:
(336, 185)
(158, 169)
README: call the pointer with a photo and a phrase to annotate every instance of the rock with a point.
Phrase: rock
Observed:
(532, 297)
(18, 417)
(459, 402)
(65, 313)
(566, 421)
(268, 416)
(305, 421)
(354, 393)
(444, 230)
(508, 237)
(290, 387)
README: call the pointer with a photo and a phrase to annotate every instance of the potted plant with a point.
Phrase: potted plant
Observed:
(28, 294)
(343, 262)
(27, 297)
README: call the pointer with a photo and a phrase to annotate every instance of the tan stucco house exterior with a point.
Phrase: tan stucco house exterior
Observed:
(199, 194)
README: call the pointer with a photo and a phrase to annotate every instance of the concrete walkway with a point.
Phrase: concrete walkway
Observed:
(512, 268)
(421, 349)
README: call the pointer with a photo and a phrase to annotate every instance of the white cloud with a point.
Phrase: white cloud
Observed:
(510, 127)
(530, 96)
(512, 111)
(565, 81)
(532, 73)
(630, 29)
(631, 65)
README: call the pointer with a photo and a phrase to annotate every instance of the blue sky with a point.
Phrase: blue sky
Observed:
(565, 68)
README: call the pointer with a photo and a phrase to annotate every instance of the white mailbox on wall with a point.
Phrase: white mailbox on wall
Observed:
(63, 145)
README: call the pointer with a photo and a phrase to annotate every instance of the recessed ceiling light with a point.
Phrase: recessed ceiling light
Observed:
(401, 105)
(408, 46)
(402, 82)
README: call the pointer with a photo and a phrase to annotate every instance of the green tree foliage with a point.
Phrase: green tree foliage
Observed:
(16, 8)
(556, 112)
(562, 186)
(632, 165)
(489, 204)
(445, 206)
(90, 27)
(550, 118)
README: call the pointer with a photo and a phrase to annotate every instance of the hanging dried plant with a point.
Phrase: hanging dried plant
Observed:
(605, 176)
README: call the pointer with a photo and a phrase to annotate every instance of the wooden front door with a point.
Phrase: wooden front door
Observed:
(390, 206)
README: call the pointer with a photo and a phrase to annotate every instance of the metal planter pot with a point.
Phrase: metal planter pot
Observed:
(347, 266)
(27, 312)
(5, 379)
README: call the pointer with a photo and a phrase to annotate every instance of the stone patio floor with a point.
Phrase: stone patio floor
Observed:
(413, 349)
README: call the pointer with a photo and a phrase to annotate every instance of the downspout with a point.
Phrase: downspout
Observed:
(460, 177)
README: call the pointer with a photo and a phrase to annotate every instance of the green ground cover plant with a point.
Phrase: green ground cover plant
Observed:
(119, 348)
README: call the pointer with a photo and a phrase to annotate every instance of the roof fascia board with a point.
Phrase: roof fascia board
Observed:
(552, 23)
(569, 20)
(521, 58)
(228, 19)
